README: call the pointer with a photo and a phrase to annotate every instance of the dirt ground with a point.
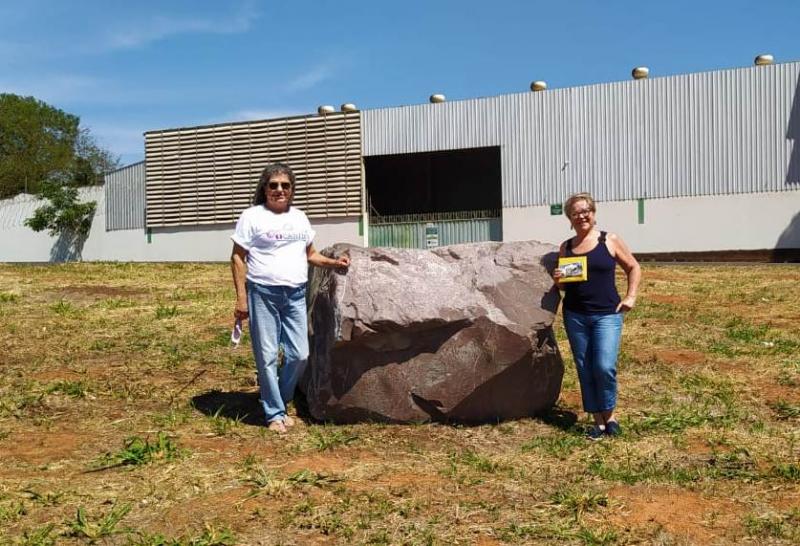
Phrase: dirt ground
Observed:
(126, 418)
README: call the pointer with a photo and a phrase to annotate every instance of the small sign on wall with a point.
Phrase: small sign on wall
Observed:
(556, 209)
(431, 235)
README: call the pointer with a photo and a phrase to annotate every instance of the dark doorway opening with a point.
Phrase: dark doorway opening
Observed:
(434, 182)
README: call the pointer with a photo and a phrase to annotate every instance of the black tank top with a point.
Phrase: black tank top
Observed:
(598, 294)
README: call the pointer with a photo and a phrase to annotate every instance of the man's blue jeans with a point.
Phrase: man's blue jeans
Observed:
(278, 317)
(594, 340)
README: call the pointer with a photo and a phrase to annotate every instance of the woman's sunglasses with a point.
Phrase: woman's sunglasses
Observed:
(280, 185)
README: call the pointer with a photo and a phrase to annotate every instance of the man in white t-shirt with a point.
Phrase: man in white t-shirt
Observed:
(272, 247)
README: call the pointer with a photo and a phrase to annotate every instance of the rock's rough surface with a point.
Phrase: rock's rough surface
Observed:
(460, 333)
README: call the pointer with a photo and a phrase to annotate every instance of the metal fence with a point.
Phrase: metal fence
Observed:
(432, 230)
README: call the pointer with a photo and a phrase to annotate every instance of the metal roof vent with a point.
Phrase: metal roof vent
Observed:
(325, 109)
(348, 107)
(538, 85)
(640, 72)
(437, 97)
(764, 59)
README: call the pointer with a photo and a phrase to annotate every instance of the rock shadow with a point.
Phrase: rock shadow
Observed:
(240, 406)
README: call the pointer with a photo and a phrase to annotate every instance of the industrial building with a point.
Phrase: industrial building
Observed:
(693, 166)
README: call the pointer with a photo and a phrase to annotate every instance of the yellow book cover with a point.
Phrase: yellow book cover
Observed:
(573, 268)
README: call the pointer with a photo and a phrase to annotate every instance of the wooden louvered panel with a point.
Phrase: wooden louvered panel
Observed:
(207, 175)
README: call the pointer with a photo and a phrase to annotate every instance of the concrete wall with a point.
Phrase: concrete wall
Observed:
(18, 243)
(687, 224)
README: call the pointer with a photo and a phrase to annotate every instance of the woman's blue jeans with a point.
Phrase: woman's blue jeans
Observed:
(278, 317)
(594, 340)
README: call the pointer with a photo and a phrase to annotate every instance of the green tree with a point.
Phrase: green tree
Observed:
(63, 215)
(40, 143)
(92, 162)
(37, 142)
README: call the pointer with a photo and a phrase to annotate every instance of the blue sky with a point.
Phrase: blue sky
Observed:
(128, 67)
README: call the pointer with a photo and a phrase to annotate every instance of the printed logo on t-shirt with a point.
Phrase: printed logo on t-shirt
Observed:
(286, 233)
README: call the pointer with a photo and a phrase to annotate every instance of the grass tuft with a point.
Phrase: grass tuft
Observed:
(75, 389)
(166, 311)
(328, 438)
(139, 451)
(83, 526)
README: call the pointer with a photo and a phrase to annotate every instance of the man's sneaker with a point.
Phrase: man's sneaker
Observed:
(596, 433)
(613, 428)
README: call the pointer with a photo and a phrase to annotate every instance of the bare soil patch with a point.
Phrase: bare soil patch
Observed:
(39, 447)
(667, 298)
(681, 357)
(683, 514)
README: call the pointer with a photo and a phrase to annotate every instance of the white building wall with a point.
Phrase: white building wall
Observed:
(18, 243)
(687, 224)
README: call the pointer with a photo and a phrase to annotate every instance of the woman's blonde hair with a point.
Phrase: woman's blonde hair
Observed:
(583, 196)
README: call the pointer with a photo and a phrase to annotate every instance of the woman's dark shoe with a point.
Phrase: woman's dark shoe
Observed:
(613, 428)
(595, 433)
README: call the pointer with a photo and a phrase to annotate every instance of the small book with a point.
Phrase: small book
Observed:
(573, 268)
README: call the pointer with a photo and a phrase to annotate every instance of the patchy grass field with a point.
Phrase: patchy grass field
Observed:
(126, 418)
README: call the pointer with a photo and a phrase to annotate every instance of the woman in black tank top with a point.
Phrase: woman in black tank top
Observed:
(593, 310)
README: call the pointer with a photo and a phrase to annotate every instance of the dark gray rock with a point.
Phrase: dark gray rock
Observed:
(460, 333)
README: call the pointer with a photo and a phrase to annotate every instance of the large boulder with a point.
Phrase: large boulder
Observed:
(460, 333)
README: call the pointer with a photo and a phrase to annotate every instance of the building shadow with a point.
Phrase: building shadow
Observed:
(793, 133)
(787, 249)
(238, 406)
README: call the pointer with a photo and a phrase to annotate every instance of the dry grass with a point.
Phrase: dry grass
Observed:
(126, 418)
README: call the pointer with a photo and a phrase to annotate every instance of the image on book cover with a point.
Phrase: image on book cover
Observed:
(573, 268)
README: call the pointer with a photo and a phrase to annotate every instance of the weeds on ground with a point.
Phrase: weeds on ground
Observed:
(328, 438)
(785, 410)
(75, 389)
(85, 526)
(139, 451)
(223, 425)
(166, 311)
(781, 525)
(39, 536)
(211, 536)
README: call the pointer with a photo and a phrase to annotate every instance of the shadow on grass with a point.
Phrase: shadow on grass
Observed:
(559, 418)
(239, 406)
(245, 408)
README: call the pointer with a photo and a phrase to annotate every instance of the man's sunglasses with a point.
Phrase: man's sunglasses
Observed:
(280, 185)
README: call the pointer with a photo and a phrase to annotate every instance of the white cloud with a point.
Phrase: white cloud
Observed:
(311, 78)
(160, 27)
(256, 114)
(55, 89)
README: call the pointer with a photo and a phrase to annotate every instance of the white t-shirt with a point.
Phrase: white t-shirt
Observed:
(276, 245)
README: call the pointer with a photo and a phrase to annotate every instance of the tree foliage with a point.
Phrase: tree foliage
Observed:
(63, 214)
(40, 143)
